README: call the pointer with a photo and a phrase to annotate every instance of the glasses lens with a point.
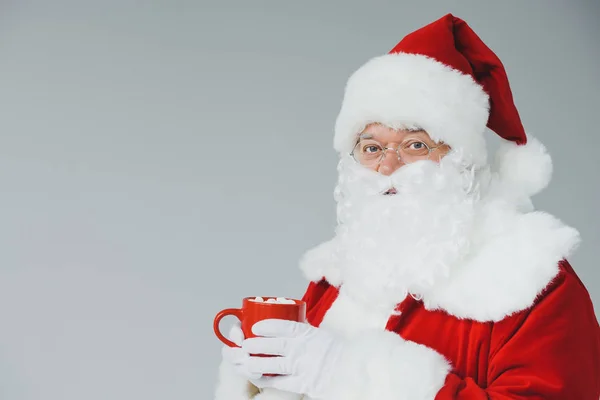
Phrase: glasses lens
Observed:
(414, 149)
(368, 152)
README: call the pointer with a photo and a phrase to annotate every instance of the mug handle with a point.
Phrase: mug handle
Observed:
(236, 312)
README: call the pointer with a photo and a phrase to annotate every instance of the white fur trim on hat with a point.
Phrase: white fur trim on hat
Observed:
(409, 90)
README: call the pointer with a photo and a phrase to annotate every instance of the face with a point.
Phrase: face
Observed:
(400, 229)
(411, 146)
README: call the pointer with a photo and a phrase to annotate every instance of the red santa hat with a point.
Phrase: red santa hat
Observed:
(444, 79)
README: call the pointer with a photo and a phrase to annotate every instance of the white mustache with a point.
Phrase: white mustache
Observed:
(374, 183)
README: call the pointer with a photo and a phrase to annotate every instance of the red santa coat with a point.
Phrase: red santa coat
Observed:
(513, 321)
(550, 350)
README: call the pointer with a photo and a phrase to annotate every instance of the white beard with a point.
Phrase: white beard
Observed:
(388, 246)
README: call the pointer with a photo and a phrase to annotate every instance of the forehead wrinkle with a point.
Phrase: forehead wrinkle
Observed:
(409, 135)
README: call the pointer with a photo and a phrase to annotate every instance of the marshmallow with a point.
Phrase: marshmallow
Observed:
(283, 300)
(278, 300)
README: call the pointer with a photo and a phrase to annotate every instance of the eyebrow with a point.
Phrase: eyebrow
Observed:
(413, 131)
(419, 133)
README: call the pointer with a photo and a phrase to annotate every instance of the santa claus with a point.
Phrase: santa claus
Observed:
(441, 281)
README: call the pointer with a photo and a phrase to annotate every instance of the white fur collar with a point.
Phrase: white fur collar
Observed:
(515, 256)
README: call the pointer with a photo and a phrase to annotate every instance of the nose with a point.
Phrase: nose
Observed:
(390, 163)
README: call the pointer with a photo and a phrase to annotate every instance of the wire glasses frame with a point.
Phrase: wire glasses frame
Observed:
(404, 152)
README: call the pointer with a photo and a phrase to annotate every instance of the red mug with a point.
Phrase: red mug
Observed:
(254, 311)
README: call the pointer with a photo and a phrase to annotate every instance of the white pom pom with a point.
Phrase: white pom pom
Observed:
(524, 169)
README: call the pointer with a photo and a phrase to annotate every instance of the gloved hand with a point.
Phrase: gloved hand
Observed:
(236, 356)
(307, 357)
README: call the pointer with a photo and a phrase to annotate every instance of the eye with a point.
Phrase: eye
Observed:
(417, 146)
(371, 148)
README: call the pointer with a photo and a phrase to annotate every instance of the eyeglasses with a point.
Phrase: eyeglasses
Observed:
(370, 153)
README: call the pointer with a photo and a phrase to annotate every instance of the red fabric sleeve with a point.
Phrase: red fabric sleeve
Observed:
(549, 352)
(313, 294)
(316, 294)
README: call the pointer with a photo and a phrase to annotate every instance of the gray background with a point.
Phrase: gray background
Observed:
(159, 160)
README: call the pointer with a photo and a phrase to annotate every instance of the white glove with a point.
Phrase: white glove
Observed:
(307, 362)
(236, 356)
